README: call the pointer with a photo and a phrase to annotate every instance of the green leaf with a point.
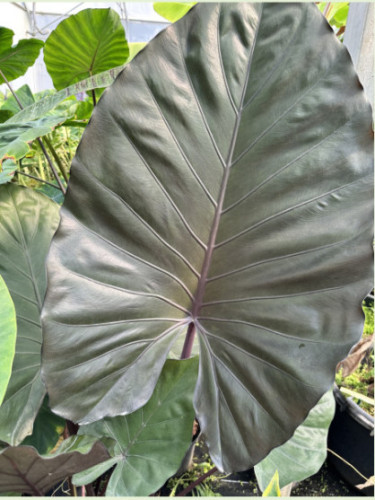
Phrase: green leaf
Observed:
(24, 95)
(24, 470)
(14, 61)
(134, 48)
(173, 11)
(54, 194)
(151, 442)
(47, 429)
(273, 488)
(5, 114)
(28, 221)
(213, 187)
(7, 170)
(48, 103)
(304, 454)
(337, 12)
(14, 137)
(8, 333)
(84, 45)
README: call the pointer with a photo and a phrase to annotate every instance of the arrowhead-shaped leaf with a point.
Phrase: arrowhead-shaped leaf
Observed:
(14, 61)
(224, 182)
(305, 452)
(151, 442)
(85, 44)
(8, 333)
(22, 469)
(27, 223)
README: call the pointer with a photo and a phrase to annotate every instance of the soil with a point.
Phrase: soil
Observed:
(326, 482)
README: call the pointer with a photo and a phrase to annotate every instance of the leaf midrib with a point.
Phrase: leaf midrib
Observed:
(219, 208)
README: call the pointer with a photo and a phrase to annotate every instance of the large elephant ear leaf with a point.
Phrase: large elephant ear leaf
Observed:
(85, 44)
(223, 185)
(15, 60)
(27, 223)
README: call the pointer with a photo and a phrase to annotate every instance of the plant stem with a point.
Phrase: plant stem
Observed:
(57, 159)
(37, 179)
(189, 341)
(348, 464)
(39, 139)
(198, 481)
(93, 97)
(52, 166)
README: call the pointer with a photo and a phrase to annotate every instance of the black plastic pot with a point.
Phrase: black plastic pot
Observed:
(351, 436)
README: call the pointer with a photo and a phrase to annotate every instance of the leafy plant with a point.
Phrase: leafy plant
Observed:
(210, 194)
(250, 179)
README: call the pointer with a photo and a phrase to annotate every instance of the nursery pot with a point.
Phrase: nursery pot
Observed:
(351, 436)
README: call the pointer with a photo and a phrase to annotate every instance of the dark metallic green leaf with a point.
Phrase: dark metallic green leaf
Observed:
(224, 181)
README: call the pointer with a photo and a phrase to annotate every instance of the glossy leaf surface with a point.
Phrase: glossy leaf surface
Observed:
(27, 223)
(8, 333)
(304, 454)
(15, 60)
(85, 44)
(24, 470)
(224, 181)
(151, 442)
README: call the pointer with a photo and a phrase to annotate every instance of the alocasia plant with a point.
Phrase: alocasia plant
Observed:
(223, 187)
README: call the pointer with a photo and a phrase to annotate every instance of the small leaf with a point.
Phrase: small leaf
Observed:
(27, 223)
(8, 168)
(24, 95)
(151, 442)
(14, 61)
(8, 333)
(173, 11)
(273, 488)
(305, 452)
(24, 470)
(85, 44)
